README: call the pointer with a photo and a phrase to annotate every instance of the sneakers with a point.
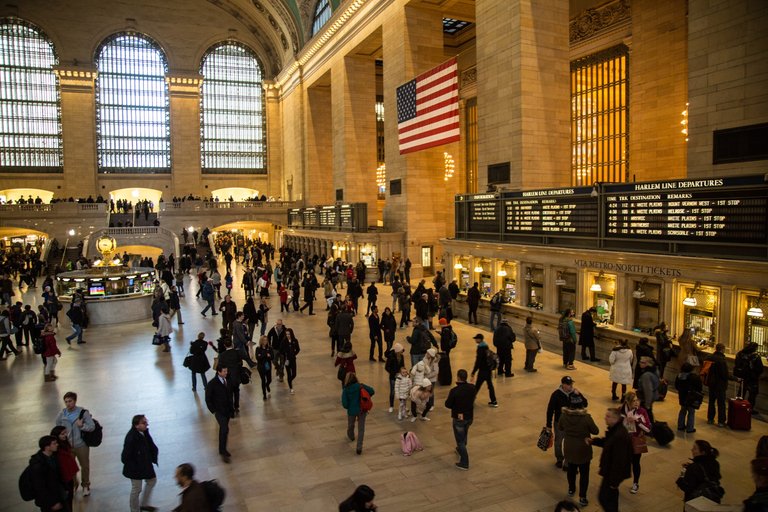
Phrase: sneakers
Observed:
(399, 417)
(635, 488)
(413, 420)
(570, 367)
(293, 392)
(424, 418)
(559, 464)
(493, 404)
(461, 467)
(583, 502)
(391, 409)
(571, 493)
(86, 490)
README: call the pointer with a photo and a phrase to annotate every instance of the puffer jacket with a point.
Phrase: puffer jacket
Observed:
(403, 387)
(621, 365)
(418, 373)
(577, 425)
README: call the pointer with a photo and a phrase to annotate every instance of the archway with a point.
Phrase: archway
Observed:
(236, 193)
(136, 194)
(14, 194)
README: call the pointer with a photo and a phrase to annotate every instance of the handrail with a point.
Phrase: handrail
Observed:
(55, 207)
(226, 205)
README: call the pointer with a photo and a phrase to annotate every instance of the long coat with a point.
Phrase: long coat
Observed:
(587, 334)
(621, 366)
(139, 453)
(577, 425)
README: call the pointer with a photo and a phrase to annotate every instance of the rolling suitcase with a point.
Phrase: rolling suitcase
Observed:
(662, 433)
(444, 374)
(739, 411)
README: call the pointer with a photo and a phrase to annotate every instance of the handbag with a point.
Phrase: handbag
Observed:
(546, 439)
(694, 399)
(709, 489)
(157, 339)
(639, 444)
(188, 361)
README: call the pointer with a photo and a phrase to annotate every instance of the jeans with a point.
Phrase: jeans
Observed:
(266, 380)
(209, 306)
(7, 346)
(279, 360)
(290, 370)
(202, 377)
(405, 317)
(583, 471)
(415, 358)
(530, 358)
(559, 438)
(78, 332)
(136, 490)
(495, 316)
(688, 424)
(505, 362)
(608, 498)
(485, 377)
(391, 392)
(376, 340)
(223, 422)
(360, 428)
(569, 352)
(716, 396)
(370, 303)
(461, 432)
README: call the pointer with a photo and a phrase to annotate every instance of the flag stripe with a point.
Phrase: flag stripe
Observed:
(428, 109)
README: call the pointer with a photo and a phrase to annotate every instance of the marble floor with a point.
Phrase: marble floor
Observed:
(290, 453)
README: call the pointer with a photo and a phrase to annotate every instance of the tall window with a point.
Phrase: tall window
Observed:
(322, 15)
(233, 135)
(599, 117)
(132, 108)
(30, 112)
(472, 139)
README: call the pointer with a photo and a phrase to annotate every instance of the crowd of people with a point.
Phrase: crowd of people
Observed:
(61, 465)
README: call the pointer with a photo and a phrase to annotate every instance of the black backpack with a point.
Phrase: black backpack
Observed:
(563, 332)
(214, 493)
(95, 436)
(741, 366)
(26, 486)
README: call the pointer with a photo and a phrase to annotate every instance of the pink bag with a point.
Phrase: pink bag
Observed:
(410, 443)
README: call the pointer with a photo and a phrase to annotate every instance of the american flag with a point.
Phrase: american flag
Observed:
(428, 109)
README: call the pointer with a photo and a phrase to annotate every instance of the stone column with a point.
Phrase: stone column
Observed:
(413, 44)
(184, 93)
(353, 100)
(78, 127)
(523, 81)
(275, 181)
(318, 187)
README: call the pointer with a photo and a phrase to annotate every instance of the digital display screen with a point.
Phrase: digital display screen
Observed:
(96, 289)
(568, 211)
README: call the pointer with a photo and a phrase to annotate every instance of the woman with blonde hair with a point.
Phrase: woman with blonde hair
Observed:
(638, 424)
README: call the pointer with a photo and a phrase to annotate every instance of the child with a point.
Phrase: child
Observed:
(283, 299)
(420, 395)
(228, 283)
(180, 283)
(402, 391)
(50, 352)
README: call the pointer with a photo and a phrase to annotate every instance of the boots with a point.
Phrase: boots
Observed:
(53, 374)
(49, 378)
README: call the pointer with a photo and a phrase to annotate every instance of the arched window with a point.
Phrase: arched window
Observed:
(30, 107)
(322, 15)
(132, 110)
(232, 127)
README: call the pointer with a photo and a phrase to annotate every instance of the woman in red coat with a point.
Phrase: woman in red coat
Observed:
(50, 351)
(66, 461)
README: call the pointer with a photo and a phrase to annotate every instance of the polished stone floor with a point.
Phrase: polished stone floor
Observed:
(290, 453)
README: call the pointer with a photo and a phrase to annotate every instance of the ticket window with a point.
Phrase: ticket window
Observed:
(566, 291)
(534, 276)
(463, 273)
(486, 284)
(368, 255)
(700, 311)
(647, 299)
(756, 324)
(603, 289)
(509, 282)
(426, 258)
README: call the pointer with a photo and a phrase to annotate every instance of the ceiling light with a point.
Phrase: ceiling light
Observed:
(479, 268)
(596, 285)
(458, 266)
(690, 301)
(755, 312)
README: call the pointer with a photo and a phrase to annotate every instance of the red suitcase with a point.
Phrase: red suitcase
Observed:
(739, 412)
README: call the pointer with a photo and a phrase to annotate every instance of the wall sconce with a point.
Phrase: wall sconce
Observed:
(640, 292)
(528, 276)
(502, 271)
(690, 300)
(596, 285)
(479, 267)
(334, 247)
(559, 281)
(756, 311)
(458, 265)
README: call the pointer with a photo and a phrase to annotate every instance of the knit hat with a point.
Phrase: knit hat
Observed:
(426, 383)
(364, 494)
(398, 348)
(443, 321)
(432, 352)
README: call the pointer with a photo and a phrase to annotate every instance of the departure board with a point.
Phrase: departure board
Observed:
(483, 213)
(566, 211)
(728, 210)
(328, 216)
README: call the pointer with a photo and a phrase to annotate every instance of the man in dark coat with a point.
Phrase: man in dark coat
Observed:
(345, 324)
(193, 498)
(717, 383)
(503, 339)
(232, 360)
(139, 453)
(473, 301)
(615, 461)
(228, 310)
(49, 492)
(587, 335)
(421, 340)
(218, 399)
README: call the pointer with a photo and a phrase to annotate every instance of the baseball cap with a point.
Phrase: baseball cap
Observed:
(566, 380)
(478, 336)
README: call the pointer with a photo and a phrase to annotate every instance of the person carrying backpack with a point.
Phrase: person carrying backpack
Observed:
(566, 331)
(351, 401)
(749, 367)
(40, 481)
(483, 369)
